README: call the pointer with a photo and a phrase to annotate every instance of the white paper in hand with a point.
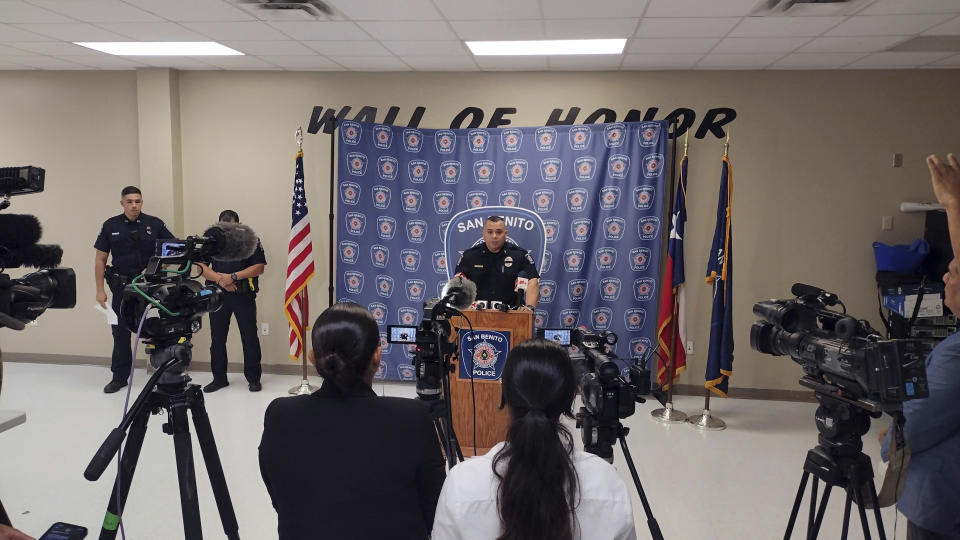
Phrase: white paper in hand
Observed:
(108, 312)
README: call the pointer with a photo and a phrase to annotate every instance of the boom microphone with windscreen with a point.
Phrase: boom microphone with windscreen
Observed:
(458, 293)
(225, 241)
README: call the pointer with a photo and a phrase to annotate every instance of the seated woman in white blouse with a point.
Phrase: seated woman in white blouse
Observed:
(535, 485)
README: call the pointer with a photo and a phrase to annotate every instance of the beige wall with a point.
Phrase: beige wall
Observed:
(811, 154)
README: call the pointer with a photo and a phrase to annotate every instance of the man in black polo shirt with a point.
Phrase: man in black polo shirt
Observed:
(241, 282)
(130, 239)
(495, 265)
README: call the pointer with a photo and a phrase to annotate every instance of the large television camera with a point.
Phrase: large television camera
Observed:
(608, 396)
(841, 356)
(24, 299)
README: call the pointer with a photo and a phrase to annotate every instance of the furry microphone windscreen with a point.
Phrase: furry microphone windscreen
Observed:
(231, 241)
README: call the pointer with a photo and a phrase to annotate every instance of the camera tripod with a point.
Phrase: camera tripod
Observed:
(166, 392)
(598, 437)
(433, 388)
(838, 461)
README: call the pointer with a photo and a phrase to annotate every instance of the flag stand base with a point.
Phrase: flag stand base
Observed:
(669, 415)
(303, 389)
(707, 422)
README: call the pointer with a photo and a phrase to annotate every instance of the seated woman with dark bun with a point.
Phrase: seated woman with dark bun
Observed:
(344, 463)
(535, 485)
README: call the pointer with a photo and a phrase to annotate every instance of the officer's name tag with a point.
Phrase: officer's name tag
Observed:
(478, 266)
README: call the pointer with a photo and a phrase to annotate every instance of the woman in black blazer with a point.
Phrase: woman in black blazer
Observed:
(374, 467)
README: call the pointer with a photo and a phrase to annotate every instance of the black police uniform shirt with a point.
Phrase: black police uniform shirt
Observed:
(496, 273)
(249, 285)
(131, 243)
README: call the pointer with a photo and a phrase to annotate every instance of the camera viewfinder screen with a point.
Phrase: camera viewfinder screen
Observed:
(561, 337)
(171, 249)
(403, 334)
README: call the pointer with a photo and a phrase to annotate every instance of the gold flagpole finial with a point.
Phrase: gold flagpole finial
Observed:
(686, 142)
(299, 137)
(726, 144)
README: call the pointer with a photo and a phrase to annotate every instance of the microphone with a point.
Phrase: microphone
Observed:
(37, 256)
(802, 290)
(226, 241)
(19, 230)
(459, 292)
(520, 288)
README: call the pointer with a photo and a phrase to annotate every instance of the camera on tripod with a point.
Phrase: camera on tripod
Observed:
(431, 343)
(608, 395)
(840, 355)
(24, 299)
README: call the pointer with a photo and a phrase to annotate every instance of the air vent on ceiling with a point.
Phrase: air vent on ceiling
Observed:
(292, 9)
(807, 8)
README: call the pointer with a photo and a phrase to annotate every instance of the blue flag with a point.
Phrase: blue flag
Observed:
(720, 275)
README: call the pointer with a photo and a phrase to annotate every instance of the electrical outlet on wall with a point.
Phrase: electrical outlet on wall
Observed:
(689, 346)
(264, 329)
(886, 223)
(897, 160)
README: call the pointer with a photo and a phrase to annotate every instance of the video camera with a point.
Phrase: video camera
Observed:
(24, 299)
(841, 356)
(430, 342)
(607, 396)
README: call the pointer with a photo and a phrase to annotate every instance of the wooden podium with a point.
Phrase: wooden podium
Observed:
(492, 423)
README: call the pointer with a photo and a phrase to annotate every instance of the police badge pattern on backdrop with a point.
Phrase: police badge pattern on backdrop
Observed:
(597, 188)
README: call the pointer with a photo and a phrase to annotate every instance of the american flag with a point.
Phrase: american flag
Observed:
(299, 265)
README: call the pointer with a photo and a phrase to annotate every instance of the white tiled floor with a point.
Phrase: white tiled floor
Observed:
(738, 483)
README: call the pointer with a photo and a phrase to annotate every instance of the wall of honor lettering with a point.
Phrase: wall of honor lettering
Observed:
(598, 189)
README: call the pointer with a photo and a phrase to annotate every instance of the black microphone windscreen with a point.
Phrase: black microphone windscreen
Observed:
(232, 241)
(800, 289)
(19, 230)
(37, 256)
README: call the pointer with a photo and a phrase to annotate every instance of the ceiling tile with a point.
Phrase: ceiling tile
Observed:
(258, 48)
(589, 28)
(54, 48)
(851, 44)
(44, 62)
(305, 63)
(670, 45)
(784, 26)
(911, 7)
(174, 62)
(379, 10)
(409, 30)
(12, 33)
(499, 30)
(193, 10)
(18, 11)
(700, 8)
(162, 31)
(660, 61)
(427, 48)
(440, 63)
(816, 60)
(372, 63)
(894, 60)
(244, 31)
(606, 62)
(240, 63)
(511, 63)
(886, 25)
(7, 64)
(949, 28)
(10, 49)
(578, 9)
(321, 30)
(686, 27)
(737, 61)
(759, 45)
(72, 32)
(348, 48)
(489, 9)
(107, 61)
(949, 61)
(97, 11)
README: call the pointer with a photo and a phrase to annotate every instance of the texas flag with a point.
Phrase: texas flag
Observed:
(671, 327)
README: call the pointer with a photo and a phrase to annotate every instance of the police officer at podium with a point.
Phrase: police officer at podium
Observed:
(495, 267)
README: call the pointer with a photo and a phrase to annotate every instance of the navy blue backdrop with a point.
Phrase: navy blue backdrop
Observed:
(598, 188)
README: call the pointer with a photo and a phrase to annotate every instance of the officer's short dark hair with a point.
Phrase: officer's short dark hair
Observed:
(495, 219)
(130, 190)
(229, 215)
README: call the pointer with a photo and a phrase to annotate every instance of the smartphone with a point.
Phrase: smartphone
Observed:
(64, 531)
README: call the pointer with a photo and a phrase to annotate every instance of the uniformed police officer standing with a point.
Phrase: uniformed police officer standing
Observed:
(494, 266)
(240, 280)
(131, 240)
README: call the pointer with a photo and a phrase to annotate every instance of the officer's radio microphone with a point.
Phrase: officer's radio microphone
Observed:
(227, 241)
(520, 289)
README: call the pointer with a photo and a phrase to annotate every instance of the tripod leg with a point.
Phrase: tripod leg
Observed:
(796, 505)
(821, 512)
(813, 508)
(128, 465)
(208, 447)
(876, 510)
(846, 515)
(858, 498)
(189, 503)
(651, 521)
